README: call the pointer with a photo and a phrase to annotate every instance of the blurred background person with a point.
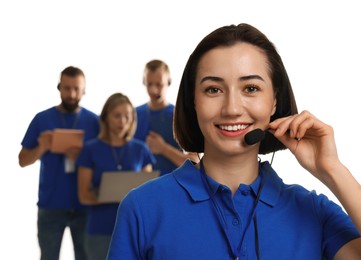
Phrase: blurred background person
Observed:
(58, 204)
(113, 150)
(155, 119)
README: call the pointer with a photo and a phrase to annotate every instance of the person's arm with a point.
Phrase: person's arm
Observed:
(348, 192)
(86, 194)
(313, 144)
(157, 145)
(30, 156)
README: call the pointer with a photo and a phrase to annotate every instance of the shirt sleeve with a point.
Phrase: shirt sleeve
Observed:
(84, 158)
(126, 239)
(338, 228)
(30, 139)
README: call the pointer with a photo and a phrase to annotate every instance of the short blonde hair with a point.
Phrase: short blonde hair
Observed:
(153, 65)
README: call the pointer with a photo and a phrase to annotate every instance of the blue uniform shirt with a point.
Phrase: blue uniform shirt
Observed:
(58, 189)
(99, 156)
(173, 217)
(161, 122)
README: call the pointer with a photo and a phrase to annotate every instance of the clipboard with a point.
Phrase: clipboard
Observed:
(63, 139)
(115, 185)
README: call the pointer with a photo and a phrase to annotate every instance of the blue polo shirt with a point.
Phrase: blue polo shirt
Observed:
(98, 156)
(57, 188)
(174, 217)
(161, 122)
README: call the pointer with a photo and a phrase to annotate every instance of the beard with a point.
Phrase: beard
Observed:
(69, 107)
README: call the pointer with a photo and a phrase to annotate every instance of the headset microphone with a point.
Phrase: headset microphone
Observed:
(254, 136)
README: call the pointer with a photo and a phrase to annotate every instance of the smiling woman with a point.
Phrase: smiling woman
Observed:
(226, 88)
(112, 40)
(235, 82)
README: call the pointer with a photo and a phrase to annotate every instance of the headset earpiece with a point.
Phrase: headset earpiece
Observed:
(58, 86)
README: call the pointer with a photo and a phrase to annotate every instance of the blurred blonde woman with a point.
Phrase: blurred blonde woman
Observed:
(113, 150)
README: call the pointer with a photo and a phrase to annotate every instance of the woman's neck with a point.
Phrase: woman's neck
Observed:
(116, 140)
(232, 170)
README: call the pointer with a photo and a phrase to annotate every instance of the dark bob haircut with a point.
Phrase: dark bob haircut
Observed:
(186, 128)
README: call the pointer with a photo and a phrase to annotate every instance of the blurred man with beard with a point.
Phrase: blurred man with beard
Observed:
(58, 204)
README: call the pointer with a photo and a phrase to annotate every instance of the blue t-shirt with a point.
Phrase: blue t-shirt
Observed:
(58, 189)
(174, 217)
(98, 156)
(161, 122)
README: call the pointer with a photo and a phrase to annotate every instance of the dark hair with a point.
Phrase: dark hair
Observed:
(113, 101)
(72, 72)
(186, 128)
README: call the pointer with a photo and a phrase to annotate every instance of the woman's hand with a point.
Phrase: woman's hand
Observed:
(310, 140)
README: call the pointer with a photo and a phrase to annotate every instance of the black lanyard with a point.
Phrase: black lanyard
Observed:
(236, 250)
(118, 157)
(63, 120)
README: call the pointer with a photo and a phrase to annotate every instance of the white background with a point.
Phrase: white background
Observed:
(112, 40)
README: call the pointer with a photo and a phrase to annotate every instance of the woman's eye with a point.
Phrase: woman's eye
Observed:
(212, 90)
(251, 89)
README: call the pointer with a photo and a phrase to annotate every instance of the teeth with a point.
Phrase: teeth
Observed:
(233, 127)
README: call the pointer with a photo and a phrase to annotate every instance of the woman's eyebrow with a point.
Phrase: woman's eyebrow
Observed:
(249, 77)
(211, 78)
(244, 78)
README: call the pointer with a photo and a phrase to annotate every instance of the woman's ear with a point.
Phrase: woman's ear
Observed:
(274, 107)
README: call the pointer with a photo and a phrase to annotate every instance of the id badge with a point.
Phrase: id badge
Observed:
(69, 165)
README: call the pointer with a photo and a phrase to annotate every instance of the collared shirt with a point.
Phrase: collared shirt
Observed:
(173, 217)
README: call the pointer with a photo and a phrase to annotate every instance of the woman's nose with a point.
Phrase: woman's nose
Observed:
(232, 105)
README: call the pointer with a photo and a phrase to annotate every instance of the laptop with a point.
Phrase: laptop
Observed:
(116, 184)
